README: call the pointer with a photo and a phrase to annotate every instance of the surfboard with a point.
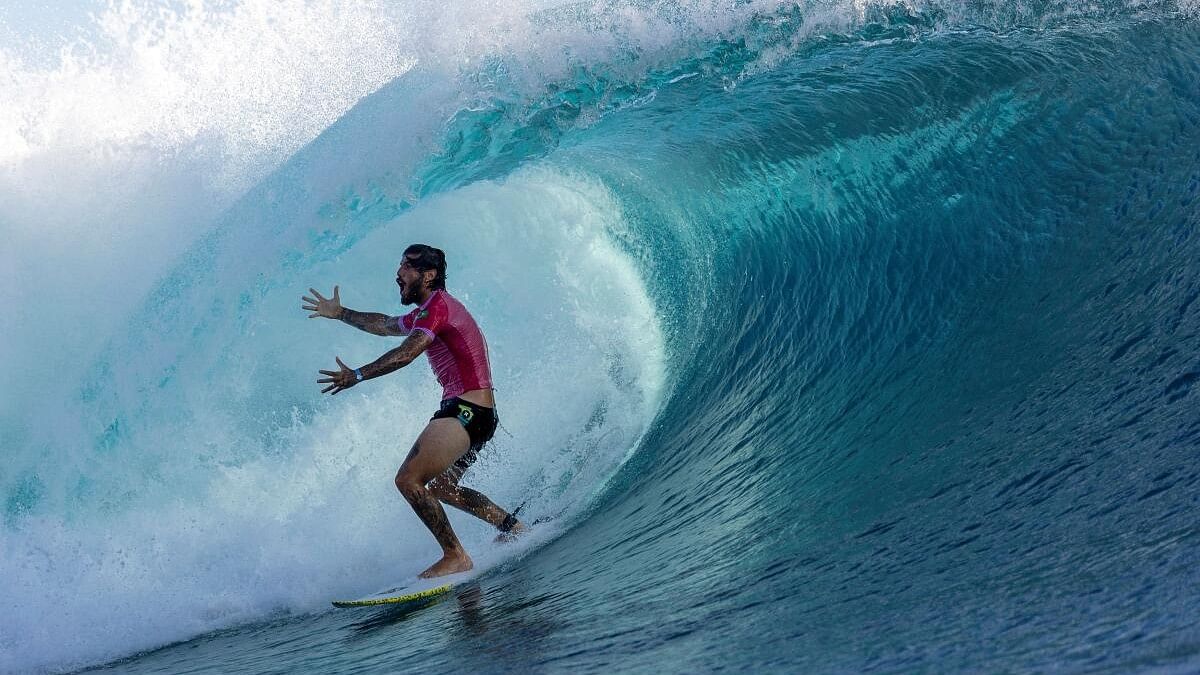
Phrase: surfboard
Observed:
(417, 589)
(412, 591)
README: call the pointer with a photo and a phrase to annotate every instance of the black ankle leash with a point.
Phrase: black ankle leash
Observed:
(511, 520)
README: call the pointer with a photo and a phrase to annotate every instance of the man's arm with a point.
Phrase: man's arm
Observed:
(399, 357)
(393, 360)
(331, 308)
(372, 322)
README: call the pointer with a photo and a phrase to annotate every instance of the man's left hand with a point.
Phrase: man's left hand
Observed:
(338, 379)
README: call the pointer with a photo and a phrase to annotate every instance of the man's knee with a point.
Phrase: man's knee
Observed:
(408, 484)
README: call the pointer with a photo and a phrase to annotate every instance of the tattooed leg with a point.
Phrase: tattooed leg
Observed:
(466, 499)
(442, 442)
(478, 505)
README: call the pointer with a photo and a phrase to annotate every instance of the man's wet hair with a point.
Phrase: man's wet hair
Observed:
(425, 257)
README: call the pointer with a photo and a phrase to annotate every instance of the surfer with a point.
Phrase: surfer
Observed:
(466, 419)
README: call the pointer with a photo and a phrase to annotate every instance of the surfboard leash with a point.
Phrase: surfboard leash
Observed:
(510, 520)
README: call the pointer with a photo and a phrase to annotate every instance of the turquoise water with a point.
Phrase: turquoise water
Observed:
(841, 340)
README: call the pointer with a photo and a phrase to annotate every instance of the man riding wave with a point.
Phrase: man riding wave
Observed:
(441, 327)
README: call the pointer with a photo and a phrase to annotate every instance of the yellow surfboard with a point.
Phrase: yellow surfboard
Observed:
(418, 589)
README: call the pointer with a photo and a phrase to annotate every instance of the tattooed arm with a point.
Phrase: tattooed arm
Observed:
(392, 360)
(399, 357)
(331, 308)
(372, 322)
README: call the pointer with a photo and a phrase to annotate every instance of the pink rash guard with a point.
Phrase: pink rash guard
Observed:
(458, 355)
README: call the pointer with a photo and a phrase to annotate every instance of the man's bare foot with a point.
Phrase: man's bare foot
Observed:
(449, 564)
(512, 534)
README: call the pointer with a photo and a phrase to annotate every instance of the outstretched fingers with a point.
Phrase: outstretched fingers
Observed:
(334, 385)
(311, 305)
(337, 379)
(320, 305)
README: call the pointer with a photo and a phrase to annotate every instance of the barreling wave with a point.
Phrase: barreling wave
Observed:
(845, 336)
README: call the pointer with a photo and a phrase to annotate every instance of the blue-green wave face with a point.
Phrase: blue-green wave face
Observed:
(836, 337)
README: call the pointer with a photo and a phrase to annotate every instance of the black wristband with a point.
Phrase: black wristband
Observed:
(342, 316)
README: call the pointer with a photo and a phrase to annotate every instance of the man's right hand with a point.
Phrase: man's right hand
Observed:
(330, 308)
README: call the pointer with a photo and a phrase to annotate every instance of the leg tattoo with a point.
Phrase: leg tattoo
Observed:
(426, 505)
(430, 511)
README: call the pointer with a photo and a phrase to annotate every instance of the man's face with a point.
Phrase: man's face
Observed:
(411, 281)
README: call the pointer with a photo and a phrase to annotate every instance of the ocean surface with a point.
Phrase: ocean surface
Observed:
(837, 336)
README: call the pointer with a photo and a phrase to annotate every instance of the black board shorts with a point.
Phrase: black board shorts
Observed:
(480, 423)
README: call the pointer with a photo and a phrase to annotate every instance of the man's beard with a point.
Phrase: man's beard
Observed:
(404, 296)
